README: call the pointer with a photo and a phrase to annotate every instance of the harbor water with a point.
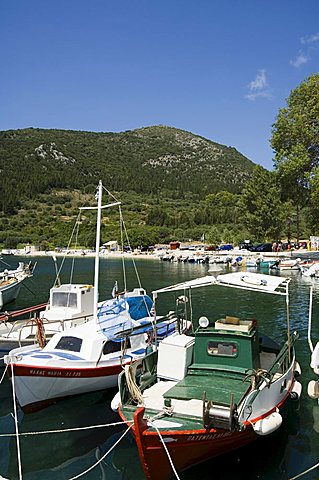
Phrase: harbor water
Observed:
(67, 454)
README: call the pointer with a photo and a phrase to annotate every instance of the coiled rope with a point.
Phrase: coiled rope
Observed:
(136, 394)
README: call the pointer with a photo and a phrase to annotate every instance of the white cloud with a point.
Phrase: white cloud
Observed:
(260, 81)
(264, 94)
(310, 39)
(300, 59)
(258, 87)
(310, 43)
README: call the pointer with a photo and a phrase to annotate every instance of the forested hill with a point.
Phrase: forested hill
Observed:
(147, 160)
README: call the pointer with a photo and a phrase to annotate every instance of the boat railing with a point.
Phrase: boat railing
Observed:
(20, 326)
(281, 365)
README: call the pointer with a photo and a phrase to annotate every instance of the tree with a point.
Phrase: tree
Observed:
(261, 205)
(295, 140)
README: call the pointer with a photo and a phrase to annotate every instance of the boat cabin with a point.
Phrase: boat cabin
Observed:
(70, 301)
(230, 345)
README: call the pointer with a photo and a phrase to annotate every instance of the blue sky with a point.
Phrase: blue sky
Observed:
(221, 69)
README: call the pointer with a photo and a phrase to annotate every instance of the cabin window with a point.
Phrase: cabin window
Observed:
(112, 347)
(64, 299)
(73, 344)
(226, 349)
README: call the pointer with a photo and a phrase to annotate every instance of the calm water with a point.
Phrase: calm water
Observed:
(64, 455)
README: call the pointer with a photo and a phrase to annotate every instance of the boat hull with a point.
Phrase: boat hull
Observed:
(186, 448)
(58, 383)
(9, 293)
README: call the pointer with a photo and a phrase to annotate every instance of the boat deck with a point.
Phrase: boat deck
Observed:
(217, 388)
(186, 396)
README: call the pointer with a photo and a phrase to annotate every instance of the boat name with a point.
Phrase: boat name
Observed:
(54, 373)
(211, 436)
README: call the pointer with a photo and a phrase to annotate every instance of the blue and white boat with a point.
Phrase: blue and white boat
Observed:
(88, 357)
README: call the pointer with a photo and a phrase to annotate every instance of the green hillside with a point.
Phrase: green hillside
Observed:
(154, 166)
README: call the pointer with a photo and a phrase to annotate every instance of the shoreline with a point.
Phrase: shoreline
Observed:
(157, 255)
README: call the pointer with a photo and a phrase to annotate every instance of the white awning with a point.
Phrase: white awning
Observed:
(195, 283)
(255, 281)
(243, 280)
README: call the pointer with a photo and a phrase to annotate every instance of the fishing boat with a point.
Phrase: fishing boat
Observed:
(310, 270)
(69, 305)
(197, 398)
(11, 282)
(89, 356)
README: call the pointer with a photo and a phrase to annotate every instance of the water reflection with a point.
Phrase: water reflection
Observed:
(61, 456)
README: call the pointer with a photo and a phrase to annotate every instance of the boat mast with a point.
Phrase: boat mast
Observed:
(97, 243)
(97, 250)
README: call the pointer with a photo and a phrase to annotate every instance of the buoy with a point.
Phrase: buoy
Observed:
(313, 389)
(116, 402)
(296, 391)
(269, 424)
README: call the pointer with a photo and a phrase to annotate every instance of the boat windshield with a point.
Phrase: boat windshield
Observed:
(73, 344)
(64, 299)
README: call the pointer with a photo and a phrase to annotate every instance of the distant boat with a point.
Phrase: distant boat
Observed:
(11, 281)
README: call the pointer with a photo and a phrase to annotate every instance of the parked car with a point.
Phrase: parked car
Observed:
(262, 247)
(245, 246)
(226, 246)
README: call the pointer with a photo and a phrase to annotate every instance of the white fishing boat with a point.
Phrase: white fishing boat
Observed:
(310, 270)
(69, 305)
(88, 357)
(11, 282)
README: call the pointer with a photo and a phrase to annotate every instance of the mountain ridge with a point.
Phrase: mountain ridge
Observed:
(144, 160)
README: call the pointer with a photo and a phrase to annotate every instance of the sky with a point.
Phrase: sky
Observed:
(220, 69)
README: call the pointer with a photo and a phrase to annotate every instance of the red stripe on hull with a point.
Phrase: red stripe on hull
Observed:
(30, 371)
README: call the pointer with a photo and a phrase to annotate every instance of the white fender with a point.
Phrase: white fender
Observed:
(269, 424)
(296, 391)
(313, 389)
(116, 402)
(315, 359)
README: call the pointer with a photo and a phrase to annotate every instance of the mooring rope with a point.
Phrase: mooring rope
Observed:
(305, 472)
(104, 456)
(166, 450)
(75, 429)
(16, 422)
(5, 371)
